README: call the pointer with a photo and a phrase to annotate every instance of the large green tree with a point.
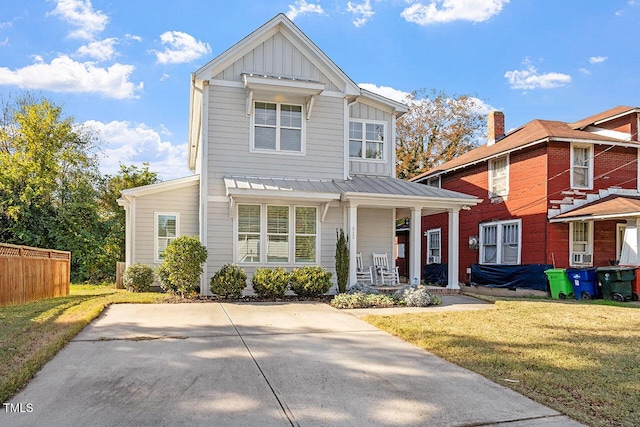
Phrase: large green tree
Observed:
(48, 171)
(436, 129)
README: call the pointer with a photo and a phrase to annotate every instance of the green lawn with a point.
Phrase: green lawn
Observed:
(582, 359)
(31, 334)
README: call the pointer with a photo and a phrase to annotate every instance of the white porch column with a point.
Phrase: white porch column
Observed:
(454, 239)
(415, 244)
(353, 242)
(629, 254)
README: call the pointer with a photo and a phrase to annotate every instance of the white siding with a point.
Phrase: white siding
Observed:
(277, 56)
(229, 142)
(365, 167)
(376, 233)
(183, 201)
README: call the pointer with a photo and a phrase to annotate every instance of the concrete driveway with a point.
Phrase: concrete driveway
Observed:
(263, 364)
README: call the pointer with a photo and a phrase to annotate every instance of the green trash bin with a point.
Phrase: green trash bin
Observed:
(559, 283)
(617, 282)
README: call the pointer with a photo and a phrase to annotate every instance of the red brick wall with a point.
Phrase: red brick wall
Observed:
(533, 183)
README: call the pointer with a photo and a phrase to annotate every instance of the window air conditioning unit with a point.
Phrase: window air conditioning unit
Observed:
(434, 260)
(581, 258)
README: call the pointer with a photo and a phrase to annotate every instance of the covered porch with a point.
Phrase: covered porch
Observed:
(365, 207)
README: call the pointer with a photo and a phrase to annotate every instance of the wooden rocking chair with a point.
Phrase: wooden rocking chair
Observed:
(388, 275)
(364, 275)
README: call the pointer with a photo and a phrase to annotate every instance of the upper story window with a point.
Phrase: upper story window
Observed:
(499, 177)
(581, 166)
(500, 242)
(366, 140)
(278, 127)
(166, 230)
(434, 181)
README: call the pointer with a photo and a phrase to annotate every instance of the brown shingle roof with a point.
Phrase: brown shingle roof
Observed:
(607, 207)
(534, 131)
(616, 111)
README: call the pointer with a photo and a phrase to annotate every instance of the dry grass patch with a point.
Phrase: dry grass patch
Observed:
(32, 333)
(580, 359)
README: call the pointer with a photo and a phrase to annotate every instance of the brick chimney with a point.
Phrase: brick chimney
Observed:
(495, 127)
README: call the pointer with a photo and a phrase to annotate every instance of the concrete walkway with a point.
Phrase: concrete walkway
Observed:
(262, 364)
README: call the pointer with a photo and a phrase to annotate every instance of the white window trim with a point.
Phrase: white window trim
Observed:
(363, 158)
(590, 166)
(428, 245)
(589, 245)
(263, 236)
(156, 256)
(499, 225)
(491, 176)
(437, 179)
(620, 230)
(303, 133)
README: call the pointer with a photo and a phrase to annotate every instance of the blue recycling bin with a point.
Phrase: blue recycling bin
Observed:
(584, 281)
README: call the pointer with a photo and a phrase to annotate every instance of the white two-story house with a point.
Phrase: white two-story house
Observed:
(286, 149)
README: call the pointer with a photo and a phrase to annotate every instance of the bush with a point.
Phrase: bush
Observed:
(362, 288)
(342, 261)
(362, 300)
(138, 277)
(310, 281)
(270, 282)
(183, 260)
(229, 281)
(162, 273)
(416, 296)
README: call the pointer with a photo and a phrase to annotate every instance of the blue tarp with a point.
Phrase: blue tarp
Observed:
(435, 274)
(528, 276)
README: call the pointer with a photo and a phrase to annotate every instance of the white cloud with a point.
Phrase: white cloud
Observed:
(102, 50)
(5, 41)
(441, 11)
(529, 78)
(387, 92)
(80, 14)
(164, 77)
(303, 8)
(597, 59)
(64, 74)
(584, 71)
(133, 37)
(362, 12)
(180, 48)
(136, 143)
(7, 24)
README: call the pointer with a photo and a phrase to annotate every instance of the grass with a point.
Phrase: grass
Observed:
(580, 359)
(32, 333)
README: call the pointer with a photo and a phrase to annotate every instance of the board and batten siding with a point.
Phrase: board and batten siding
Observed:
(362, 111)
(277, 56)
(182, 200)
(229, 142)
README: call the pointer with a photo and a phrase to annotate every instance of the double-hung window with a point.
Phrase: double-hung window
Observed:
(366, 140)
(434, 239)
(581, 166)
(581, 243)
(277, 127)
(499, 177)
(166, 230)
(501, 242)
(272, 234)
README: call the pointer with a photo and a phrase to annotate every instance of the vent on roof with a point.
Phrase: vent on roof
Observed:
(495, 127)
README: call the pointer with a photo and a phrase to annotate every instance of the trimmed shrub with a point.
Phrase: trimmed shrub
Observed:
(138, 277)
(362, 300)
(229, 281)
(342, 261)
(310, 281)
(162, 273)
(270, 282)
(183, 260)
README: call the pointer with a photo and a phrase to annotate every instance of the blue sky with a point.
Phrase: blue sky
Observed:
(123, 67)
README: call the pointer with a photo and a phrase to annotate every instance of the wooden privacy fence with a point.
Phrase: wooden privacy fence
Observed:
(29, 274)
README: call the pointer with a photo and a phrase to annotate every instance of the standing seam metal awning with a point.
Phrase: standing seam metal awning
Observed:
(614, 206)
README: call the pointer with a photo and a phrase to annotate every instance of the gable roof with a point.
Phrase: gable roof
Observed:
(610, 207)
(621, 110)
(534, 132)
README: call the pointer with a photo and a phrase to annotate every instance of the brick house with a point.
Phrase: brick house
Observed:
(553, 193)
